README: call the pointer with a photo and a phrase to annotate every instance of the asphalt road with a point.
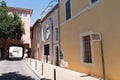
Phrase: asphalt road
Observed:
(16, 70)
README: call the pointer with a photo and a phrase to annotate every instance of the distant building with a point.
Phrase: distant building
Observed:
(45, 38)
(81, 25)
(35, 40)
(25, 15)
(50, 37)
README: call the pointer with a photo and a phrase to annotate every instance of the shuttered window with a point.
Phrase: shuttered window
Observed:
(46, 49)
(68, 10)
(93, 1)
(42, 34)
(57, 34)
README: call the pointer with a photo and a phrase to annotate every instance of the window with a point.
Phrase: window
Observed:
(93, 1)
(57, 34)
(61, 54)
(46, 49)
(86, 47)
(68, 9)
(47, 31)
(25, 14)
(42, 34)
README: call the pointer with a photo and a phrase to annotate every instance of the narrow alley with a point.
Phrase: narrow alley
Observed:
(16, 70)
(60, 40)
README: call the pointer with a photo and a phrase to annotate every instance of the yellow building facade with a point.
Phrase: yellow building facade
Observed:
(82, 23)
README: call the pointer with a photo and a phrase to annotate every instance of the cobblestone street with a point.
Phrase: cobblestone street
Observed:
(16, 70)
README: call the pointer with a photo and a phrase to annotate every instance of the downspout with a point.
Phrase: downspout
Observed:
(59, 43)
(51, 21)
(42, 42)
(103, 61)
(41, 55)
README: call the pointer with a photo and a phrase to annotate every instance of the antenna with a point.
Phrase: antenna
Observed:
(48, 8)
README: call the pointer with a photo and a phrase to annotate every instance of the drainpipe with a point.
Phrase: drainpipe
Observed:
(59, 43)
(103, 61)
(41, 55)
(52, 39)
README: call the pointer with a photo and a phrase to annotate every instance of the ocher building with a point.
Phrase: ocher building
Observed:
(82, 23)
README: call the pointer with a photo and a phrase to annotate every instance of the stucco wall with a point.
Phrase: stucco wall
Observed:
(52, 20)
(102, 18)
(35, 45)
(26, 23)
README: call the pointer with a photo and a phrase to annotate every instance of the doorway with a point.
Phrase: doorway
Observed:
(56, 56)
(46, 52)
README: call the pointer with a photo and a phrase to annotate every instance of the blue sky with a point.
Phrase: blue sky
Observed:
(37, 5)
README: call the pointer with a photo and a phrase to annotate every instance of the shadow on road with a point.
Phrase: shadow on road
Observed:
(15, 59)
(12, 59)
(15, 76)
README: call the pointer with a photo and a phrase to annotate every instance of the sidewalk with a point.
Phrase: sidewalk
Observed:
(51, 72)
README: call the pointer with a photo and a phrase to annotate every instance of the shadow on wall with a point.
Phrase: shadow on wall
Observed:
(15, 76)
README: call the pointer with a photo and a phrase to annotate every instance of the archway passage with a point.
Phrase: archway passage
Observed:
(6, 52)
(15, 52)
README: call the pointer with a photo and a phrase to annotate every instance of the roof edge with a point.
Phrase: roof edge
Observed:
(31, 10)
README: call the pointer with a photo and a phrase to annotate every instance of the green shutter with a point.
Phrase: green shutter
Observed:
(93, 1)
(68, 10)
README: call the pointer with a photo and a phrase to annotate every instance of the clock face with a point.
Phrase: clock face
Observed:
(47, 31)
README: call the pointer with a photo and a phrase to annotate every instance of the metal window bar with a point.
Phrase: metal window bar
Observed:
(87, 49)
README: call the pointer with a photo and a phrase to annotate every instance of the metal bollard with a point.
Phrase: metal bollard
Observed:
(30, 61)
(35, 65)
(54, 74)
(42, 70)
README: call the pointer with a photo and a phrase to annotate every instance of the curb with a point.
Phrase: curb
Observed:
(40, 77)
